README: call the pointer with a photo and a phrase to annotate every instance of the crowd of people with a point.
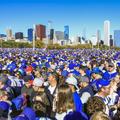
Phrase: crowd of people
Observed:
(69, 84)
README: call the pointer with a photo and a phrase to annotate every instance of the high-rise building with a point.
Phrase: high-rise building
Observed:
(49, 27)
(117, 38)
(51, 34)
(19, 35)
(2, 35)
(98, 36)
(94, 39)
(40, 31)
(59, 35)
(9, 34)
(79, 39)
(51, 39)
(66, 32)
(111, 41)
(75, 40)
(107, 33)
(30, 34)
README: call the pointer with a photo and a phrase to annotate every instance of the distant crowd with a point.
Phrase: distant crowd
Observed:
(69, 84)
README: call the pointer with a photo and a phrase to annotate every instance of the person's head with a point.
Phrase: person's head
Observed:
(1, 84)
(28, 83)
(95, 104)
(58, 71)
(4, 109)
(72, 82)
(94, 63)
(83, 84)
(18, 75)
(117, 79)
(76, 116)
(29, 70)
(89, 65)
(37, 74)
(83, 81)
(95, 74)
(37, 83)
(113, 86)
(3, 95)
(105, 90)
(100, 116)
(3, 80)
(102, 63)
(82, 70)
(111, 67)
(106, 64)
(40, 101)
(64, 99)
(76, 67)
(52, 79)
(28, 80)
(103, 87)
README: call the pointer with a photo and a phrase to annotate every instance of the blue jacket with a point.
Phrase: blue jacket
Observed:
(78, 106)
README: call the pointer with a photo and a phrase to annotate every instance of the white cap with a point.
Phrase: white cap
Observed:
(38, 82)
(73, 81)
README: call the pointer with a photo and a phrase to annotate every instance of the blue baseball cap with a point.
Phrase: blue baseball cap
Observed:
(102, 83)
(4, 106)
(64, 73)
(18, 102)
(106, 75)
(29, 113)
(96, 71)
(21, 117)
(118, 64)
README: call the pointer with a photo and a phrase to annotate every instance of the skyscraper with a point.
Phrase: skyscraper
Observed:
(66, 32)
(107, 33)
(98, 36)
(111, 41)
(76, 40)
(49, 27)
(94, 39)
(59, 35)
(30, 34)
(9, 34)
(51, 34)
(117, 38)
(79, 39)
(40, 31)
(19, 35)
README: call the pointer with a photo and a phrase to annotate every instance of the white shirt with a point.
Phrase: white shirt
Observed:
(51, 89)
(85, 96)
(62, 115)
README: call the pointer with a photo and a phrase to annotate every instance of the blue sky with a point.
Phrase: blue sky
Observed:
(78, 14)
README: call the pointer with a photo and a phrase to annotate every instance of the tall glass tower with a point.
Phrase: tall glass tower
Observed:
(66, 32)
(30, 34)
(107, 33)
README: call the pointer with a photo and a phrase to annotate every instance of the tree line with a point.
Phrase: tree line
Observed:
(40, 44)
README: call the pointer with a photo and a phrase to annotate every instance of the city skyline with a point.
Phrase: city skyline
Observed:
(77, 14)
